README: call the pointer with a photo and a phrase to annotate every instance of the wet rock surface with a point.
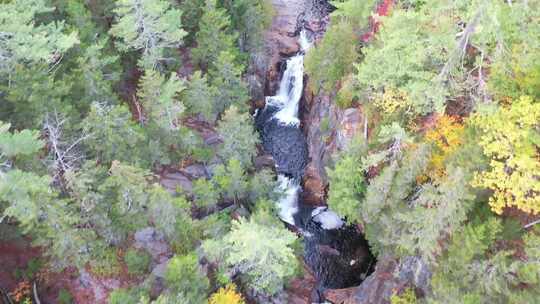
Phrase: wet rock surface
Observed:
(390, 277)
(286, 143)
(339, 257)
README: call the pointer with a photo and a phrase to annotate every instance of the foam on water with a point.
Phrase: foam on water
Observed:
(290, 92)
(327, 218)
(288, 204)
(291, 86)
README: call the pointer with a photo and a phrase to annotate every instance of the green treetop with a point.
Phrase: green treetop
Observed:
(262, 254)
(149, 26)
(24, 42)
(238, 135)
(213, 37)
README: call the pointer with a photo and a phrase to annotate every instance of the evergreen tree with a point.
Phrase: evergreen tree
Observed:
(227, 77)
(262, 254)
(149, 26)
(192, 13)
(411, 64)
(333, 57)
(159, 98)
(213, 36)
(232, 180)
(346, 188)
(250, 18)
(238, 136)
(185, 278)
(201, 98)
(113, 135)
(24, 42)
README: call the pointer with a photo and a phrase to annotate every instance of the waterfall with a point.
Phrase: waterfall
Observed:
(287, 102)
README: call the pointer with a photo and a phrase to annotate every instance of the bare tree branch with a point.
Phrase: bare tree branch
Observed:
(461, 48)
(64, 154)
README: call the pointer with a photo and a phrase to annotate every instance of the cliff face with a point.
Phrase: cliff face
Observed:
(328, 130)
(280, 40)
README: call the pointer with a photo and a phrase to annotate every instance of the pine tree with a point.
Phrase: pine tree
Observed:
(232, 180)
(250, 18)
(159, 98)
(411, 64)
(149, 26)
(333, 58)
(113, 135)
(213, 36)
(346, 188)
(262, 254)
(185, 278)
(21, 190)
(238, 136)
(227, 77)
(200, 97)
(24, 42)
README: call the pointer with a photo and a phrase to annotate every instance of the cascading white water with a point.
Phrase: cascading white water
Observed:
(290, 92)
(287, 101)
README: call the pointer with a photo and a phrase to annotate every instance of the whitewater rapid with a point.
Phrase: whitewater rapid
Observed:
(287, 102)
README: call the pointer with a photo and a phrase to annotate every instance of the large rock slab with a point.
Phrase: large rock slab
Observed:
(390, 277)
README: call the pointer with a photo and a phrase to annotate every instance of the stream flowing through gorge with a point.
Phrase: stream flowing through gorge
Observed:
(337, 253)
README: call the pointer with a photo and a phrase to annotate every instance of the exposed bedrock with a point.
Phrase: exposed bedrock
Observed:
(328, 129)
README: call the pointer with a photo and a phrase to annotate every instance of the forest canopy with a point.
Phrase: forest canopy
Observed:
(129, 150)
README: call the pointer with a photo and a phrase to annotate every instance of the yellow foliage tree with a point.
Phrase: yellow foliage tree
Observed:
(446, 137)
(511, 139)
(227, 295)
(392, 101)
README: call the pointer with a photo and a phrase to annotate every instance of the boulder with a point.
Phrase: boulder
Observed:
(173, 181)
(314, 186)
(342, 125)
(95, 289)
(195, 171)
(154, 243)
(351, 124)
(264, 161)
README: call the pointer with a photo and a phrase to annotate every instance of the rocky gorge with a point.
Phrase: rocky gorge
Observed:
(327, 130)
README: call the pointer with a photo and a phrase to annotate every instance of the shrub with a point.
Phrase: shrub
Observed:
(64, 297)
(226, 295)
(137, 261)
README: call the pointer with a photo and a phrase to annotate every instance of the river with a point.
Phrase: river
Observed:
(338, 254)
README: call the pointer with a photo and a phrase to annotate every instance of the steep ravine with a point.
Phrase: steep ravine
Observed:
(337, 255)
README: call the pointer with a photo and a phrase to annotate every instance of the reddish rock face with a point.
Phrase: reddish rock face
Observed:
(301, 290)
(390, 277)
(328, 129)
(280, 40)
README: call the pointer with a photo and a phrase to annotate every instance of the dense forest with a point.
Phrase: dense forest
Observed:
(133, 168)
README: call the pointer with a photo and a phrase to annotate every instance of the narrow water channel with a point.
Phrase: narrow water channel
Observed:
(338, 254)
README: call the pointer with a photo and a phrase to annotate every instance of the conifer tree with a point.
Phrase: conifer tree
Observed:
(24, 42)
(227, 77)
(159, 98)
(213, 36)
(238, 136)
(149, 26)
(201, 98)
(262, 254)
